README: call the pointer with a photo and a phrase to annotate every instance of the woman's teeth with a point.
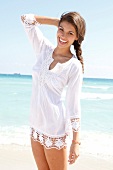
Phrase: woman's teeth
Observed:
(62, 40)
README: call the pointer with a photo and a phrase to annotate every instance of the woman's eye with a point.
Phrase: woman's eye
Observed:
(71, 33)
(60, 29)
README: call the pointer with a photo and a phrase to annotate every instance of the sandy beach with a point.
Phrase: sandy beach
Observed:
(14, 157)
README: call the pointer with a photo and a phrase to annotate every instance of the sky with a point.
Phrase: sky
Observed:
(17, 55)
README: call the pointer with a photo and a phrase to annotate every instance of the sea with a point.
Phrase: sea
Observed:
(96, 108)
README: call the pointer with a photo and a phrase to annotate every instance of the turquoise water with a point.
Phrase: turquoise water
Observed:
(96, 104)
(15, 92)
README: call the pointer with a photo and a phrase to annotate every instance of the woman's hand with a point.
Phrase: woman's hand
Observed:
(22, 18)
(74, 153)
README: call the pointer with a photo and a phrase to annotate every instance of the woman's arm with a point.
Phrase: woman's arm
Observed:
(76, 137)
(44, 20)
(47, 20)
(73, 108)
(31, 24)
(74, 149)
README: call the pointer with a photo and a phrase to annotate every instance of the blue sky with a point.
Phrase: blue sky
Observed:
(17, 55)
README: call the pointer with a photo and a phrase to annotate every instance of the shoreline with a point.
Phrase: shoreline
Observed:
(15, 157)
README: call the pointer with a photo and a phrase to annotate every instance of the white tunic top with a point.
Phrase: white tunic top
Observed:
(50, 118)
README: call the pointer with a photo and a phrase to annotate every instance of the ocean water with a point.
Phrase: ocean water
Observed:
(96, 106)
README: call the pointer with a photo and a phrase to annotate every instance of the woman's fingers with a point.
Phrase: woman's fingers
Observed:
(22, 18)
(72, 158)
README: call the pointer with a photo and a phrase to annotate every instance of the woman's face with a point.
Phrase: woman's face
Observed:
(66, 35)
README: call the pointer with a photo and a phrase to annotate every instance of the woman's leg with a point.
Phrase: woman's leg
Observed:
(57, 159)
(39, 155)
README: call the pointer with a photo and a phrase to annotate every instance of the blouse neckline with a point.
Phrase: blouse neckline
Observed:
(52, 59)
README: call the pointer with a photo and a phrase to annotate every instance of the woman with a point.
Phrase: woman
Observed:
(55, 69)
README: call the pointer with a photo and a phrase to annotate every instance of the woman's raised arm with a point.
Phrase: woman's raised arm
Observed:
(47, 20)
(31, 23)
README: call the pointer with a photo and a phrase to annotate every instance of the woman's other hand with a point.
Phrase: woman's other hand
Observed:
(74, 153)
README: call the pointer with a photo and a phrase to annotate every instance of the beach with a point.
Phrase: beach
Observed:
(96, 149)
(21, 158)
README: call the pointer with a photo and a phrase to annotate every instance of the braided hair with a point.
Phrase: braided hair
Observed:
(80, 26)
(78, 50)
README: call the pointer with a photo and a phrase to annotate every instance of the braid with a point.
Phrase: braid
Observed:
(78, 50)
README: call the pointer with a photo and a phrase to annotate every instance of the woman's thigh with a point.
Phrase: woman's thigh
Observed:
(57, 159)
(39, 155)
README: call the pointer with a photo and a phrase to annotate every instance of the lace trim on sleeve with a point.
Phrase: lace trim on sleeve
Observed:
(75, 122)
(29, 19)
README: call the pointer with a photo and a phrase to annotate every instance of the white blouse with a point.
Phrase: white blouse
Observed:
(51, 120)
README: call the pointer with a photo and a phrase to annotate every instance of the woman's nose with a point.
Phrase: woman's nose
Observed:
(63, 35)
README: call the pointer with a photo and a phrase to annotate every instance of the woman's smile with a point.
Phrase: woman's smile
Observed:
(62, 42)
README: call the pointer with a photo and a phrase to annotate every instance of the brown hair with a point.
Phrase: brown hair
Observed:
(80, 26)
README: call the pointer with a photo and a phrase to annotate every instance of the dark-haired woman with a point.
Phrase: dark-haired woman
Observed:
(56, 68)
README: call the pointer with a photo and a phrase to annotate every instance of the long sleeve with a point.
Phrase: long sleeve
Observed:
(73, 109)
(38, 41)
